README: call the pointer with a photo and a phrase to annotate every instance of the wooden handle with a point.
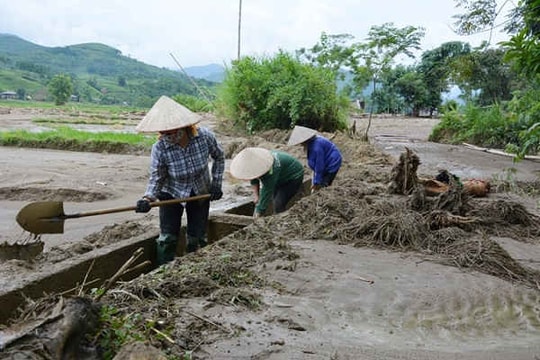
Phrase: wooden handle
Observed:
(132, 208)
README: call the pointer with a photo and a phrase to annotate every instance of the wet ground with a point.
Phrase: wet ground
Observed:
(339, 302)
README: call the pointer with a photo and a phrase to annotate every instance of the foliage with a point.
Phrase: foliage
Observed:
(61, 88)
(280, 92)
(484, 70)
(368, 61)
(116, 330)
(483, 126)
(412, 88)
(66, 138)
(383, 44)
(194, 103)
(76, 108)
(525, 109)
(435, 67)
(333, 52)
(100, 74)
(522, 50)
(478, 15)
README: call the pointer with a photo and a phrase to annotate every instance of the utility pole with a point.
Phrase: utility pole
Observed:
(239, 26)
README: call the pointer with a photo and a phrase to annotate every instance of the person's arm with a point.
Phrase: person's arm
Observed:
(255, 186)
(319, 165)
(266, 192)
(158, 173)
(218, 163)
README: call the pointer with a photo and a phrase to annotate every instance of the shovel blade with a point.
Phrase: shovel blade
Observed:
(42, 217)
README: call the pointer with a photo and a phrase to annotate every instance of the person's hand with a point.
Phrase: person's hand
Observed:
(215, 193)
(315, 188)
(143, 206)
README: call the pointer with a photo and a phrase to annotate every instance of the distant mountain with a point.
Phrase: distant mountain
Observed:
(211, 72)
(100, 73)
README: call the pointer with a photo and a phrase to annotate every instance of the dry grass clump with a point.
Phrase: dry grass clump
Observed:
(226, 264)
(487, 256)
(505, 212)
(438, 219)
(322, 215)
(440, 239)
(404, 178)
(401, 231)
(507, 218)
(444, 226)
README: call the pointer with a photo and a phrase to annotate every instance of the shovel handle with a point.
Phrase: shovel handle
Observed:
(131, 208)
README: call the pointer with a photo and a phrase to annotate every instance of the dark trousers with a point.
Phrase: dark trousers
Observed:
(170, 217)
(283, 193)
(328, 179)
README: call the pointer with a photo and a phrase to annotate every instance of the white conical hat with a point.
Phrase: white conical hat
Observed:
(251, 163)
(167, 114)
(301, 134)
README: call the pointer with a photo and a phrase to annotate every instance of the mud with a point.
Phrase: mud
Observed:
(270, 293)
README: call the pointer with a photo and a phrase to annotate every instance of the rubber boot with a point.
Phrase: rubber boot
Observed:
(202, 242)
(192, 244)
(166, 248)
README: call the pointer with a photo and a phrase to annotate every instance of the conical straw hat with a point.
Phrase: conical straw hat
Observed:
(251, 163)
(167, 114)
(301, 134)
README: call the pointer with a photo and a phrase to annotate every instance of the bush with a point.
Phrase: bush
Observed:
(525, 109)
(281, 92)
(193, 103)
(486, 126)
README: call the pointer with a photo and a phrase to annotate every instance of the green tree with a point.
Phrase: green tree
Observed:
(339, 54)
(383, 44)
(333, 52)
(280, 92)
(485, 70)
(387, 98)
(522, 51)
(435, 67)
(122, 81)
(368, 60)
(412, 87)
(61, 88)
(21, 94)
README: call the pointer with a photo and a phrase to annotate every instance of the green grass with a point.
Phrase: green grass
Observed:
(95, 120)
(72, 107)
(13, 80)
(65, 138)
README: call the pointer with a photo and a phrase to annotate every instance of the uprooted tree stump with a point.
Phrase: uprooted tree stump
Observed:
(403, 175)
(57, 333)
(57, 327)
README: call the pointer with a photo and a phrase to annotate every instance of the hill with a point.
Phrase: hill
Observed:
(211, 72)
(100, 73)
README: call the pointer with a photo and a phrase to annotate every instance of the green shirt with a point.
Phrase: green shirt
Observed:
(285, 168)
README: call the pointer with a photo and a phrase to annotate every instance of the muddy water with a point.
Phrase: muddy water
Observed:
(415, 309)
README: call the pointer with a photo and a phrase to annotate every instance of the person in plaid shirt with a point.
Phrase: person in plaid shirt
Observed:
(179, 168)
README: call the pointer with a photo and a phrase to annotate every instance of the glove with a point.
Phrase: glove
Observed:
(215, 193)
(143, 206)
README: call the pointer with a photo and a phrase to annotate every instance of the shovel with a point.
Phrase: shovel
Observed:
(47, 217)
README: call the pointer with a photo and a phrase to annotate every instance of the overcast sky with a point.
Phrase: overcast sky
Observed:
(200, 32)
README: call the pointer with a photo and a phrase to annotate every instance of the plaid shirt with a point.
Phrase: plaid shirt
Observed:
(179, 171)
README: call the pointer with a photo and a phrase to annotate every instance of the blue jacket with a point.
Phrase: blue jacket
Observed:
(323, 157)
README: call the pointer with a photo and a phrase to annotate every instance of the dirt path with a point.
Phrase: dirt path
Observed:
(415, 309)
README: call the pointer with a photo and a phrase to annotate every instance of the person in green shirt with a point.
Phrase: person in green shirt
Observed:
(274, 175)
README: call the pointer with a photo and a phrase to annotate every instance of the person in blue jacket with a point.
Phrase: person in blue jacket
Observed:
(323, 156)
